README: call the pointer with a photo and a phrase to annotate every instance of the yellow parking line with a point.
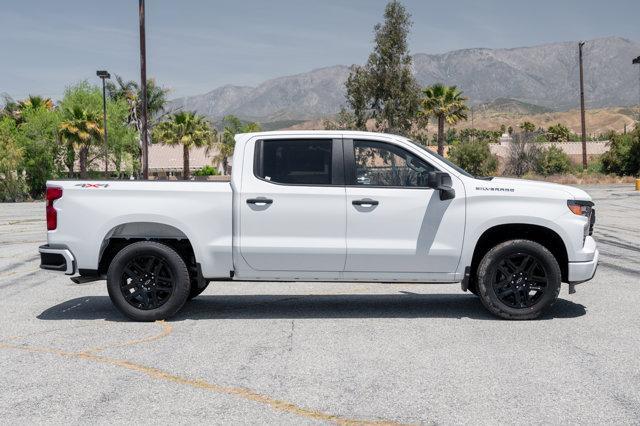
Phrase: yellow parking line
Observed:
(240, 392)
(166, 330)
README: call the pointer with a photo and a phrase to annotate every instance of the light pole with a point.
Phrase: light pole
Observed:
(582, 118)
(143, 89)
(636, 61)
(104, 75)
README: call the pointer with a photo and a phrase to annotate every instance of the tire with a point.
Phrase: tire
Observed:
(148, 281)
(518, 279)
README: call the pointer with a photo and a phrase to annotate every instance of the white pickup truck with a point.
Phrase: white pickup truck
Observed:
(323, 206)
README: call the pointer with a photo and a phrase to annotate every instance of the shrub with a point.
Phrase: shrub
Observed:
(623, 157)
(552, 161)
(474, 157)
(523, 155)
(206, 171)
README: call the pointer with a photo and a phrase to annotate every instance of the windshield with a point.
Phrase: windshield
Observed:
(444, 160)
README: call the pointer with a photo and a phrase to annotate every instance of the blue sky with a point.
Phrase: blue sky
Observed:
(194, 46)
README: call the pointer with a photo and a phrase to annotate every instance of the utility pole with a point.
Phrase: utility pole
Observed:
(582, 119)
(104, 75)
(143, 89)
(636, 61)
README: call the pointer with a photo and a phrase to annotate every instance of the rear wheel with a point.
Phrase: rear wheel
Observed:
(148, 281)
(518, 279)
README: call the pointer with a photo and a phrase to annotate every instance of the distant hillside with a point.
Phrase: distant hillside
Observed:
(544, 76)
(599, 121)
(511, 106)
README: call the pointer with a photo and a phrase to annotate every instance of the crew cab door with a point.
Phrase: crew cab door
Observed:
(292, 207)
(395, 223)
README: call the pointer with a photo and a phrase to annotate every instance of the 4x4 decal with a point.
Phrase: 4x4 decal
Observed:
(92, 185)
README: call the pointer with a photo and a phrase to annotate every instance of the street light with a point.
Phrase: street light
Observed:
(636, 61)
(104, 75)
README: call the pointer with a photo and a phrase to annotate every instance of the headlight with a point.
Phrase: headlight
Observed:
(581, 208)
(584, 208)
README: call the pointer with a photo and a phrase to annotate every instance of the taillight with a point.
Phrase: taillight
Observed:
(53, 193)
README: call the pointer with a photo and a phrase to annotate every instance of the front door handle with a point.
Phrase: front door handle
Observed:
(259, 201)
(365, 202)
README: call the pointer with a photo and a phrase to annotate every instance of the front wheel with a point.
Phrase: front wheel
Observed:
(518, 279)
(148, 281)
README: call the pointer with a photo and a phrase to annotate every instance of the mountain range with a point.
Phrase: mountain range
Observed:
(544, 75)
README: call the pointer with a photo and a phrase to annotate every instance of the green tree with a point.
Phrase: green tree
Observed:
(40, 141)
(11, 155)
(131, 93)
(384, 88)
(527, 126)
(36, 102)
(474, 157)
(344, 120)
(359, 96)
(80, 128)
(623, 157)
(558, 133)
(231, 126)
(446, 104)
(123, 145)
(185, 128)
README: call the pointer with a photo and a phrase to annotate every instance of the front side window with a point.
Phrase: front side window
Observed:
(302, 162)
(383, 164)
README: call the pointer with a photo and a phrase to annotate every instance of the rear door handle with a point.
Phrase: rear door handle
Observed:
(364, 202)
(259, 201)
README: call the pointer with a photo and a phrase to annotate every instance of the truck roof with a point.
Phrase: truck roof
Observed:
(341, 133)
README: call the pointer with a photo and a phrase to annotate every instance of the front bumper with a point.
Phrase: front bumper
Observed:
(583, 271)
(57, 257)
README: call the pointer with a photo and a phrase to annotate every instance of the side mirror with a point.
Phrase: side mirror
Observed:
(441, 182)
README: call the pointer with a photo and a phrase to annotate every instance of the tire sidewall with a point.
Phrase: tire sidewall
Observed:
(487, 270)
(181, 284)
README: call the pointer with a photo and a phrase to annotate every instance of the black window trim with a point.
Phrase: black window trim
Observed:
(337, 162)
(350, 162)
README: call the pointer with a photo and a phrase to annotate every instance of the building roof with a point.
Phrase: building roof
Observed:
(169, 157)
(569, 148)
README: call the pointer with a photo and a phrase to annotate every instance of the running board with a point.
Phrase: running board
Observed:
(83, 280)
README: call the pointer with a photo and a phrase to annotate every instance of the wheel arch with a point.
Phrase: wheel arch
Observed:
(540, 234)
(127, 233)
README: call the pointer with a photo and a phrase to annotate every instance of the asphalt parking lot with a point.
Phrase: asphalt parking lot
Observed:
(316, 353)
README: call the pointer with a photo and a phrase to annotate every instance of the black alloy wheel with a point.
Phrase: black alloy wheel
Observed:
(520, 280)
(147, 282)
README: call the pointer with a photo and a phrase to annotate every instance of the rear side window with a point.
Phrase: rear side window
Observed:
(295, 161)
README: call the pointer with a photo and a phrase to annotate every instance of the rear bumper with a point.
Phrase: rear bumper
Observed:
(583, 271)
(57, 257)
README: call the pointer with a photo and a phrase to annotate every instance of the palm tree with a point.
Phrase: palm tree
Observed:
(36, 102)
(131, 92)
(80, 128)
(226, 145)
(184, 128)
(558, 133)
(446, 104)
(528, 127)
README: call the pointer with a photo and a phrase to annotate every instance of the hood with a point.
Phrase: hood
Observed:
(572, 192)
